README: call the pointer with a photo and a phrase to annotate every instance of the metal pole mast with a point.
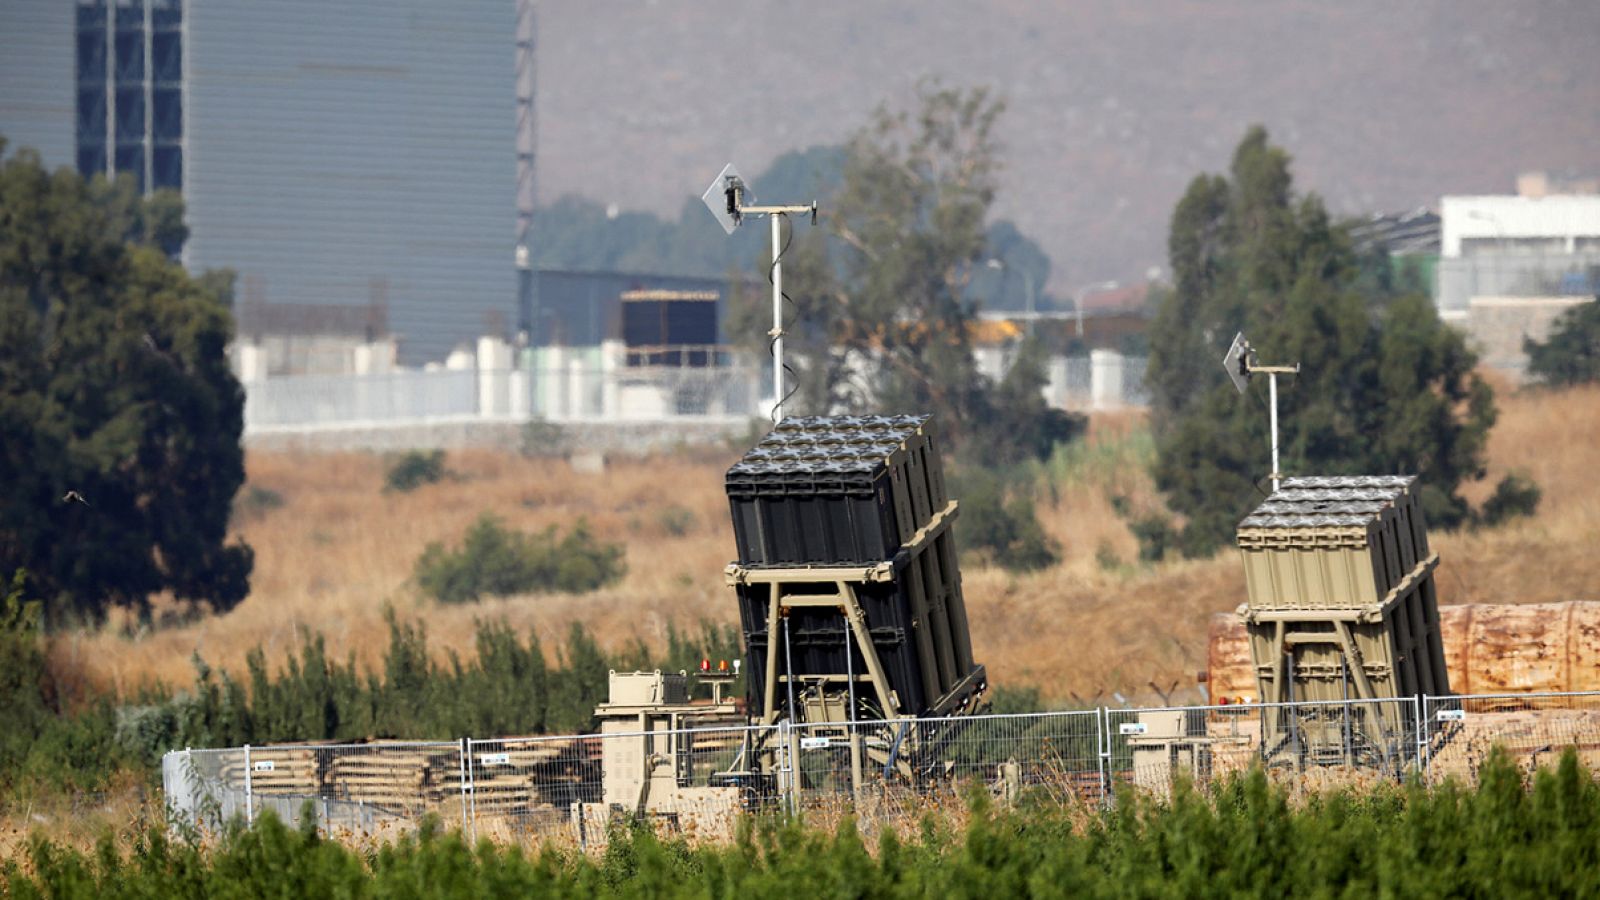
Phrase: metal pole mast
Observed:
(726, 198)
(776, 214)
(1272, 392)
(1272, 373)
(777, 317)
(1240, 364)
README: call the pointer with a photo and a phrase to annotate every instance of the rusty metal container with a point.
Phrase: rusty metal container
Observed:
(1523, 648)
(1230, 675)
(1488, 649)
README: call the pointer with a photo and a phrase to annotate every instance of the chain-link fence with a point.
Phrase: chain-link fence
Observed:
(697, 781)
(351, 788)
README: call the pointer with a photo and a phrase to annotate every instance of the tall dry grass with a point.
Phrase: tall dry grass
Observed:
(340, 550)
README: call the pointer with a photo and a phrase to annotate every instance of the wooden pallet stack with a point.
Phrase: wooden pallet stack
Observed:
(1532, 738)
(397, 777)
(407, 779)
(277, 771)
(516, 778)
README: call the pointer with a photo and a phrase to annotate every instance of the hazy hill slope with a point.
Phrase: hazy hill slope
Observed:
(1114, 106)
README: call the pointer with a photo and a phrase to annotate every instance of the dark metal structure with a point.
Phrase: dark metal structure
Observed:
(848, 584)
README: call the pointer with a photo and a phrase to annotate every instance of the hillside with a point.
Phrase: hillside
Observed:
(339, 549)
(1113, 106)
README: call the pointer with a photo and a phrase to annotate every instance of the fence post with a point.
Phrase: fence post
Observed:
(1424, 756)
(472, 795)
(1102, 740)
(249, 796)
(461, 762)
(786, 771)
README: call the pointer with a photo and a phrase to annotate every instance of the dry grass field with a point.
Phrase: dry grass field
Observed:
(339, 550)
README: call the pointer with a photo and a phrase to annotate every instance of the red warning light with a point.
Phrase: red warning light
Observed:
(705, 665)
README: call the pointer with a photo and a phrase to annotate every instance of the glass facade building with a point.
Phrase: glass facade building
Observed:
(338, 157)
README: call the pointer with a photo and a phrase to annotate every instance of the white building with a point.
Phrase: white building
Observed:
(1517, 246)
(1509, 266)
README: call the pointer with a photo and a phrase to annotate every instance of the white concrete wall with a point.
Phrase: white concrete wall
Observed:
(494, 365)
(1106, 379)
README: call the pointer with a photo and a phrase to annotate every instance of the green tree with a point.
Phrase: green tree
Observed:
(1571, 355)
(119, 417)
(1384, 386)
(25, 710)
(884, 306)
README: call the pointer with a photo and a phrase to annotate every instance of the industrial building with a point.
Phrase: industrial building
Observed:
(1510, 265)
(362, 173)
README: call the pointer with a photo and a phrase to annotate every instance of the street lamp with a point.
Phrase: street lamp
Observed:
(1027, 290)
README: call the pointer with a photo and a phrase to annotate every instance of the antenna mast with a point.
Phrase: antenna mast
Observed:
(730, 199)
(1241, 364)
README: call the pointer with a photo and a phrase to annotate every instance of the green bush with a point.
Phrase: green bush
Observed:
(256, 501)
(544, 439)
(1001, 523)
(495, 561)
(1156, 537)
(413, 469)
(676, 521)
(1572, 353)
(1516, 495)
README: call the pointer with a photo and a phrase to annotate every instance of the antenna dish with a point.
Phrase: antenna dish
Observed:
(726, 198)
(1237, 362)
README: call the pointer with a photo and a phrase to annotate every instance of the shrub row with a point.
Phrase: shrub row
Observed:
(1244, 840)
(51, 740)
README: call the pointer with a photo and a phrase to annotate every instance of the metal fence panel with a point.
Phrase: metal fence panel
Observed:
(1532, 729)
(205, 788)
(696, 782)
(357, 788)
(1303, 744)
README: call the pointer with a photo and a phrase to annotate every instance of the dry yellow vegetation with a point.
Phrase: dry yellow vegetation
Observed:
(340, 549)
